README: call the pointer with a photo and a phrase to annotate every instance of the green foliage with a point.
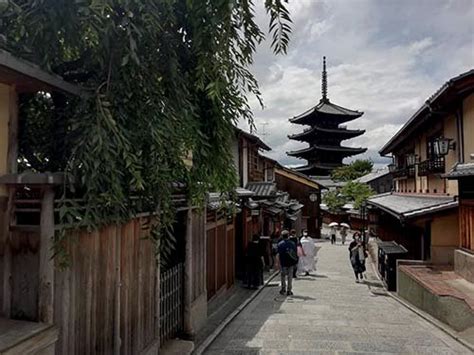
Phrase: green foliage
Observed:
(354, 170)
(356, 192)
(163, 77)
(353, 192)
(334, 201)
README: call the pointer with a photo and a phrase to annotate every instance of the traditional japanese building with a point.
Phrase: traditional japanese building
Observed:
(325, 134)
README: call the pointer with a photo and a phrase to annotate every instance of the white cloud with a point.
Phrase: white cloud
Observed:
(384, 58)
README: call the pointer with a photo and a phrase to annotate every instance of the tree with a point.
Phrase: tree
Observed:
(334, 200)
(163, 77)
(352, 192)
(354, 170)
(356, 192)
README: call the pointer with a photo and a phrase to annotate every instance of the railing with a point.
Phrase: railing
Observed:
(431, 166)
(171, 303)
(403, 172)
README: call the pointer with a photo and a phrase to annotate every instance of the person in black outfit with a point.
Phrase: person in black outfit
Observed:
(254, 263)
(295, 240)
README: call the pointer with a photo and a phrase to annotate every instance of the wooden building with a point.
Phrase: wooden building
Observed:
(422, 211)
(325, 135)
(381, 181)
(307, 192)
(464, 255)
(114, 297)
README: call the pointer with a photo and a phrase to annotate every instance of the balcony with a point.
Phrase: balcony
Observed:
(404, 172)
(431, 166)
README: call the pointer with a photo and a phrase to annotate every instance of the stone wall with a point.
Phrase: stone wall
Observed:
(464, 264)
(450, 310)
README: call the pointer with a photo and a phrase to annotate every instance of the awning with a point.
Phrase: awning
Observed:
(411, 206)
(273, 210)
(262, 189)
(241, 192)
(460, 171)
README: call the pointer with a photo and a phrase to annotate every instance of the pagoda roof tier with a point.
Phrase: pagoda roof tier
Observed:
(317, 169)
(326, 110)
(316, 131)
(345, 151)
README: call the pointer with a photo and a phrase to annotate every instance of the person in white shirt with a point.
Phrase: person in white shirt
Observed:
(308, 262)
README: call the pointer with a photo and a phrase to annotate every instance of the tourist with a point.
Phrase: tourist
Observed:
(357, 256)
(343, 234)
(295, 240)
(307, 262)
(288, 261)
(333, 234)
(254, 263)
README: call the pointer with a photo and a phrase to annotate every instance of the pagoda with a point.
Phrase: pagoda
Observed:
(325, 134)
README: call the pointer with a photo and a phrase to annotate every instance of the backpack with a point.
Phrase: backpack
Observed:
(290, 255)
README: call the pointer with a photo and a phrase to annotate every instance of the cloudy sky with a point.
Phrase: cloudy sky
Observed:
(385, 57)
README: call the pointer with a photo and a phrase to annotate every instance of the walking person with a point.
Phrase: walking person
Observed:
(333, 234)
(343, 234)
(357, 256)
(308, 263)
(254, 263)
(288, 260)
(294, 239)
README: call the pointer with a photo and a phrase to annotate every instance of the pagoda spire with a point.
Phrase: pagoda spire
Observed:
(324, 137)
(324, 82)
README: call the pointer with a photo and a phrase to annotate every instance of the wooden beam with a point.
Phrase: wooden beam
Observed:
(46, 264)
(12, 150)
(21, 71)
(7, 255)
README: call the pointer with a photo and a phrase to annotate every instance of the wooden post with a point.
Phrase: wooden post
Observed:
(12, 155)
(188, 274)
(10, 167)
(46, 264)
(118, 286)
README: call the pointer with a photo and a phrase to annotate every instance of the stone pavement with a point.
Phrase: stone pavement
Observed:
(331, 314)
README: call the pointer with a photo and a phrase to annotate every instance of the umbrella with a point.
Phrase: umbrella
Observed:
(333, 224)
(345, 225)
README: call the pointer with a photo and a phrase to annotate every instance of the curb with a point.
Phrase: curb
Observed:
(438, 324)
(206, 343)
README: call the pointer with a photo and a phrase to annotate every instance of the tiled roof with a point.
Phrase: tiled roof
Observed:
(262, 189)
(253, 138)
(328, 148)
(461, 170)
(326, 107)
(373, 175)
(241, 192)
(327, 182)
(409, 206)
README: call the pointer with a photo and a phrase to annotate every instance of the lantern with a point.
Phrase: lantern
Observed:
(411, 159)
(441, 146)
(391, 167)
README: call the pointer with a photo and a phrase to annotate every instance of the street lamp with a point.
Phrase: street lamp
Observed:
(411, 159)
(442, 145)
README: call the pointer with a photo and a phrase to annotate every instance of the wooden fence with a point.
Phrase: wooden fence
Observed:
(106, 302)
(108, 299)
(220, 254)
(466, 224)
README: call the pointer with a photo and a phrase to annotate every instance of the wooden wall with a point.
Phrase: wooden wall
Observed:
(466, 224)
(109, 296)
(220, 254)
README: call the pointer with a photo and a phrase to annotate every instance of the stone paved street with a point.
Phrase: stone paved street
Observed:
(332, 314)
